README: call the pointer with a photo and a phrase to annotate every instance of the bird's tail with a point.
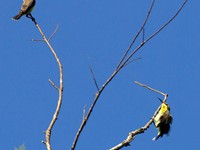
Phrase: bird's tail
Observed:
(18, 16)
(155, 138)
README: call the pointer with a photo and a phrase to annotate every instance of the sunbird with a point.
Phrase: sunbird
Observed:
(163, 120)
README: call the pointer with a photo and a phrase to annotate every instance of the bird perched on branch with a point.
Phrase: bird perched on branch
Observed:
(163, 120)
(26, 9)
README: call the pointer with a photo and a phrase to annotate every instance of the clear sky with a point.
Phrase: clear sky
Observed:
(97, 33)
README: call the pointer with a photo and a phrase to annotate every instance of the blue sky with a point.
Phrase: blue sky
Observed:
(97, 33)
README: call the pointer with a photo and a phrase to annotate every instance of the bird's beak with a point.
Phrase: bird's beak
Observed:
(160, 100)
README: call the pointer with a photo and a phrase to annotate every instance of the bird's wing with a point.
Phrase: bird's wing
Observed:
(26, 4)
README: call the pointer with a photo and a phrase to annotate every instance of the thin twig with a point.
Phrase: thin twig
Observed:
(60, 89)
(95, 81)
(152, 89)
(42, 40)
(120, 65)
(154, 34)
(38, 40)
(91, 109)
(136, 36)
(53, 33)
(134, 59)
(53, 84)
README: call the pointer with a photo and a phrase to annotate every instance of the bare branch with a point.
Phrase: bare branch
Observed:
(123, 62)
(42, 40)
(152, 89)
(132, 135)
(136, 36)
(134, 59)
(37, 40)
(95, 81)
(53, 33)
(60, 89)
(154, 34)
(91, 109)
(53, 84)
(168, 22)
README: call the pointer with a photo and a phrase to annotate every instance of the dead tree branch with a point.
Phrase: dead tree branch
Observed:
(138, 33)
(95, 81)
(53, 84)
(60, 88)
(152, 89)
(123, 62)
(53, 33)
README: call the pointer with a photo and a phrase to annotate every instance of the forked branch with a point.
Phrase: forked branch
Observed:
(126, 59)
(60, 88)
(137, 35)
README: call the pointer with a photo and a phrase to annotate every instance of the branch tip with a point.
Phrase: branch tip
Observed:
(94, 79)
(150, 88)
(124, 60)
(130, 61)
(53, 84)
(37, 40)
(54, 32)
